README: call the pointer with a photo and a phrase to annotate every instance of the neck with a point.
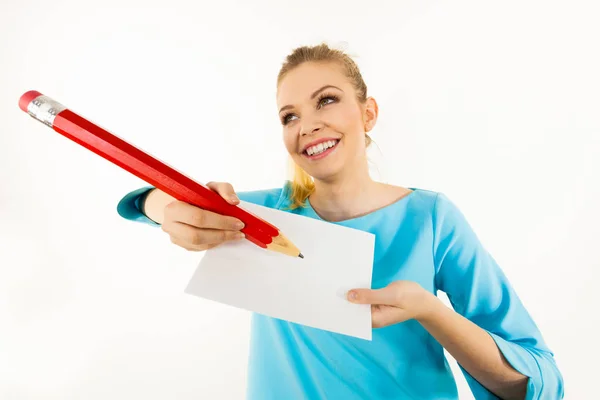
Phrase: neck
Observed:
(346, 196)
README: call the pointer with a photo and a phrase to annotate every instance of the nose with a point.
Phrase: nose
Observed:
(311, 128)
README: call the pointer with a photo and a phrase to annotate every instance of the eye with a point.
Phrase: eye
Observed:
(286, 118)
(324, 97)
(323, 100)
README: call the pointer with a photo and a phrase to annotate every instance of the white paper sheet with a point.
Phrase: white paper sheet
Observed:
(310, 291)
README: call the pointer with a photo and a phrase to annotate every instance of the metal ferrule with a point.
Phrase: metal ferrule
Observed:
(44, 109)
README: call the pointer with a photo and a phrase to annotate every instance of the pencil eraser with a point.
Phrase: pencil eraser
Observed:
(28, 98)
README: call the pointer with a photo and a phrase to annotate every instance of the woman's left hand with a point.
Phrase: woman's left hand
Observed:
(397, 302)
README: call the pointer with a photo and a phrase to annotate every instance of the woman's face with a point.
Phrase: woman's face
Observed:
(324, 124)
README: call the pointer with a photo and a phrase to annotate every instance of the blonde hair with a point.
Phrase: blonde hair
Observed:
(302, 185)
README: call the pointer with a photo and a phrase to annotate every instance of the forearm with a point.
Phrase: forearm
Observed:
(155, 203)
(475, 350)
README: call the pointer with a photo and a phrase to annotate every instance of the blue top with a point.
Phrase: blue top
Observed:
(424, 238)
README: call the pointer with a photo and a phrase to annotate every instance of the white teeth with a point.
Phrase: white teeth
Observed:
(321, 147)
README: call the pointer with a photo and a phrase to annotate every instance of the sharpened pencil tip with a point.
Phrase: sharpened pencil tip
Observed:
(300, 255)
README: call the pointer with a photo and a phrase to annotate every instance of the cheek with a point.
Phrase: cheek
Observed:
(346, 116)
(290, 141)
(350, 123)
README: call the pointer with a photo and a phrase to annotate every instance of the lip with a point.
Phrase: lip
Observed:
(320, 155)
(315, 142)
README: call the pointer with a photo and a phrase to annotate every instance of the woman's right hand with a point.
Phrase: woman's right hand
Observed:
(192, 227)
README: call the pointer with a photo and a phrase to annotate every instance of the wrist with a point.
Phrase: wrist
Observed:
(155, 203)
(142, 200)
(430, 305)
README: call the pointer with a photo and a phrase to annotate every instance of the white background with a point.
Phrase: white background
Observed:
(493, 103)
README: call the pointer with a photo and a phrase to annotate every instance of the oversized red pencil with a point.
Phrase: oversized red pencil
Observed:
(150, 169)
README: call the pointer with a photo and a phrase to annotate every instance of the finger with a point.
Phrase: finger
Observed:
(195, 216)
(377, 316)
(196, 237)
(383, 316)
(225, 190)
(179, 242)
(386, 296)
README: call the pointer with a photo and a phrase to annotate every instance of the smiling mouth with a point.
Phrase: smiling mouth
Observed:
(320, 149)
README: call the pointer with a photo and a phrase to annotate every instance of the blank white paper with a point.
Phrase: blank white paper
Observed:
(310, 291)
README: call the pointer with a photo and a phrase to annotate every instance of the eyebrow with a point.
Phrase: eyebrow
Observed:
(312, 96)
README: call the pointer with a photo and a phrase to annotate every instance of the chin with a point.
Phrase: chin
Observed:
(324, 173)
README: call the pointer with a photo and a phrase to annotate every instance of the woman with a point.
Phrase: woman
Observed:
(423, 244)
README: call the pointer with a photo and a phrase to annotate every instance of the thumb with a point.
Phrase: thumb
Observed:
(384, 296)
(225, 190)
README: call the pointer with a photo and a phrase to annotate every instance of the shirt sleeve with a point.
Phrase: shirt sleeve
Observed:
(130, 206)
(479, 290)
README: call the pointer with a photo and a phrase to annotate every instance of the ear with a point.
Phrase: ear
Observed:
(371, 111)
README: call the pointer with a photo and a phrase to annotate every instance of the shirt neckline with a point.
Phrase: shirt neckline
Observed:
(371, 214)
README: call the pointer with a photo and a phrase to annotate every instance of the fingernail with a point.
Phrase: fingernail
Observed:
(239, 225)
(234, 199)
(352, 295)
(240, 235)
